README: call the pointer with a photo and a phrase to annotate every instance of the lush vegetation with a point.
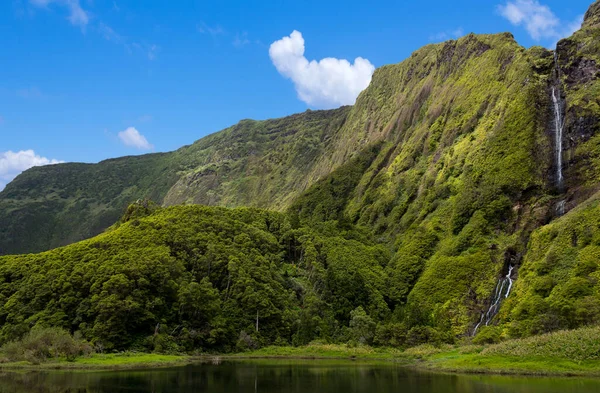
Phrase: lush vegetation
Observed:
(41, 344)
(254, 163)
(199, 278)
(391, 221)
(573, 352)
(558, 286)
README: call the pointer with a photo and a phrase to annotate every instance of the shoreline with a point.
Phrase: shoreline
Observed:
(443, 362)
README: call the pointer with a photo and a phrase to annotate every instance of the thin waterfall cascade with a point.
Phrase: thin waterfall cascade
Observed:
(560, 207)
(501, 292)
(558, 124)
(558, 106)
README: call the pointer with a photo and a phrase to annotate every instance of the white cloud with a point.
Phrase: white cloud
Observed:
(132, 138)
(538, 19)
(325, 83)
(152, 51)
(11, 164)
(77, 15)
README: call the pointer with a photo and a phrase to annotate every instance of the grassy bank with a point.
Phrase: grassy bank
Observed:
(104, 362)
(323, 351)
(569, 352)
(564, 353)
(531, 365)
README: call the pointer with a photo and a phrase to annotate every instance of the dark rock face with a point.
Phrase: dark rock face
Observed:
(582, 71)
(579, 72)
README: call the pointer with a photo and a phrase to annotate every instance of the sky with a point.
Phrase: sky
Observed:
(87, 80)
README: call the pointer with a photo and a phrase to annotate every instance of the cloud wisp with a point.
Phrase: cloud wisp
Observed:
(133, 138)
(77, 15)
(447, 35)
(213, 31)
(326, 83)
(13, 163)
(538, 19)
(80, 17)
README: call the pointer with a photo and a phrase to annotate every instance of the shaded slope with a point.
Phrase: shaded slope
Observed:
(50, 206)
(255, 163)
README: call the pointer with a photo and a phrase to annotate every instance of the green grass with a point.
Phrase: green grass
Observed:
(124, 360)
(525, 365)
(564, 353)
(324, 351)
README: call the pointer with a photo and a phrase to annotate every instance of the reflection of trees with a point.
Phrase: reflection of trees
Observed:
(279, 377)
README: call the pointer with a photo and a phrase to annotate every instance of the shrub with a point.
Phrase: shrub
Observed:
(41, 344)
(246, 342)
(362, 326)
(421, 335)
(488, 335)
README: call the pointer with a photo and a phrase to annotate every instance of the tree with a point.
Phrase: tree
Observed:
(362, 327)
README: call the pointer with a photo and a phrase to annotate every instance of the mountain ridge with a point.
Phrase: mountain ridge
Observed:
(182, 170)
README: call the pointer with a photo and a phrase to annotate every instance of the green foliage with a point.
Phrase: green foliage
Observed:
(193, 278)
(558, 281)
(488, 335)
(42, 344)
(401, 213)
(580, 344)
(254, 163)
(327, 199)
(362, 327)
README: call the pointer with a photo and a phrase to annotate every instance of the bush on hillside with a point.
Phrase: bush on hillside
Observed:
(41, 344)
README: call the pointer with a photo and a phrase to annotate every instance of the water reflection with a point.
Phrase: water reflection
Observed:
(283, 376)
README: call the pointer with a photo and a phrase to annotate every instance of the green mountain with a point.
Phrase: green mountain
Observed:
(254, 163)
(458, 196)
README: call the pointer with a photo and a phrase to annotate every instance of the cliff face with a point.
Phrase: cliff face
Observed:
(578, 62)
(462, 174)
(558, 280)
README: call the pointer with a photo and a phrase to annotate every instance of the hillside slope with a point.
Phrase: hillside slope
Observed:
(196, 277)
(254, 163)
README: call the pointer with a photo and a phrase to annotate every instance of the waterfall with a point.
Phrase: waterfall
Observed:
(499, 294)
(558, 123)
(560, 207)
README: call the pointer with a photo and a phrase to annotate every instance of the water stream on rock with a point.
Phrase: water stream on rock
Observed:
(503, 288)
(558, 134)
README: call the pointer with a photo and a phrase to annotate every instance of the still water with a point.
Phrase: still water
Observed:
(284, 376)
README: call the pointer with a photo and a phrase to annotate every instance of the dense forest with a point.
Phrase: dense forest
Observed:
(433, 210)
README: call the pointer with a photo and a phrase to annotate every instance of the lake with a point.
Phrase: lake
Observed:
(269, 376)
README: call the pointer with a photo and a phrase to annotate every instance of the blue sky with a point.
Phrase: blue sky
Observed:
(86, 80)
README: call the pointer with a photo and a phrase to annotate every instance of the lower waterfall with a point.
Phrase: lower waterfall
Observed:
(500, 293)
